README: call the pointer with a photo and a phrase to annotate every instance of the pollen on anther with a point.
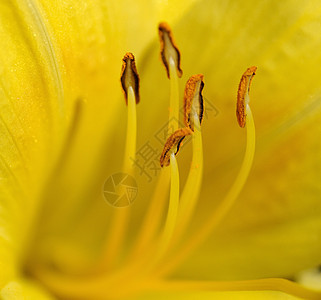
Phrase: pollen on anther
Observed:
(168, 49)
(173, 143)
(129, 76)
(193, 100)
(243, 95)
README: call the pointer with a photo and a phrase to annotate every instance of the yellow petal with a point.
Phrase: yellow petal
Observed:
(31, 125)
(80, 59)
(218, 296)
(259, 289)
(24, 290)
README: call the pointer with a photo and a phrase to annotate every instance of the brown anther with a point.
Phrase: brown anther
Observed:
(173, 143)
(168, 49)
(129, 76)
(244, 89)
(193, 100)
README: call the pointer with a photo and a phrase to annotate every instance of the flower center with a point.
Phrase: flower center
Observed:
(156, 254)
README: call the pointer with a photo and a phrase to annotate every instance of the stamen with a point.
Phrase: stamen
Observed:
(130, 83)
(173, 144)
(193, 100)
(243, 95)
(193, 115)
(129, 76)
(170, 56)
(169, 52)
(168, 157)
(229, 199)
(130, 150)
(171, 59)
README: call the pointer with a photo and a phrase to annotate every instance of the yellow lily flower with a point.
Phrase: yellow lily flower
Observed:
(63, 136)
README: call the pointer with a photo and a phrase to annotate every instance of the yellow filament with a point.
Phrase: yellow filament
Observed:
(145, 244)
(192, 187)
(174, 96)
(153, 216)
(241, 179)
(130, 150)
(120, 216)
(165, 239)
(172, 207)
(226, 204)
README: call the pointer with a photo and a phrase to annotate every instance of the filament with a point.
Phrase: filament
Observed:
(192, 187)
(226, 204)
(153, 216)
(120, 216)
(172, 207)
(130, 151)
(174, 96)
